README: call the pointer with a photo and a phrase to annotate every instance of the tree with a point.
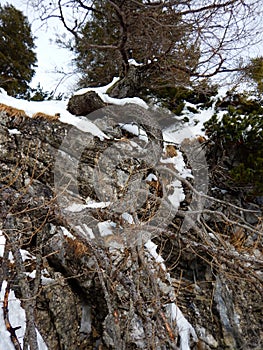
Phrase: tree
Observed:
(143, 35)
(254, 71)
(17, 58)
(175, 42)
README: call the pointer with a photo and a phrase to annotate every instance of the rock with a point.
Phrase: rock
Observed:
(85, 104)
(99, 296)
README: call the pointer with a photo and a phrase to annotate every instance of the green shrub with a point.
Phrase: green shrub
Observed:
(239, 134)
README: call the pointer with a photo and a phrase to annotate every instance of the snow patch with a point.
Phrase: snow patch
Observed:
(14, 132)
(185, 329)
(66, 233)
(17, 318)
(151, 247)
(135, 130)
(2, 244)
(106, 227)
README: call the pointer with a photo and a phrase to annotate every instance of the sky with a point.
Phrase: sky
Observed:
(51, 58)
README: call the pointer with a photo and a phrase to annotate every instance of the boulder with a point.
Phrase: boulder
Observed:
(85, 103)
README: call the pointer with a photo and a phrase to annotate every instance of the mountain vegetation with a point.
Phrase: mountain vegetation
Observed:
(132, 225)
(17, 56)
(175, 43)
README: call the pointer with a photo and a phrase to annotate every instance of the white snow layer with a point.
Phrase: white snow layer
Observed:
(184, 328)
(17, 318)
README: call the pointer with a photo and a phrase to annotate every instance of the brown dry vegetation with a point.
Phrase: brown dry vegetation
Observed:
(11, 111)
(44, 116)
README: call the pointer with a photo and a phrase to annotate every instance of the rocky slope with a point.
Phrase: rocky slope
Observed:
(198, 288)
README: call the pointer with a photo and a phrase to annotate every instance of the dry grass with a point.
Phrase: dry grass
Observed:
(44, 116)
(12, 112)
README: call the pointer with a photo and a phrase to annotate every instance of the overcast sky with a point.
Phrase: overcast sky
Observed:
(50, 57)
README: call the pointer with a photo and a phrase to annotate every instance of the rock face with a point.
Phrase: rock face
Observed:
(85, 104)
(88, 291)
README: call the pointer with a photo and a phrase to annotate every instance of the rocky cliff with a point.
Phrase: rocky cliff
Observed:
(144, 286)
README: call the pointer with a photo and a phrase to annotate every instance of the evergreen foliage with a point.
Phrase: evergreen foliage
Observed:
(38, 94)
(174, 98)
(239, 135)
(156, 38)
(254, 71)
(17, 58)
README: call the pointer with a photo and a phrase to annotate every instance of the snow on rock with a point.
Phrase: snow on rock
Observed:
(77, 207)
(132, 62)
(185, 329)
(17, 318)
(176, 316)
(51, 108)
(135, 130)
(14, 132)
(151, 247)
(2, 244)
(24, 253)
(106, 228)
(101, 91)
(66, 233)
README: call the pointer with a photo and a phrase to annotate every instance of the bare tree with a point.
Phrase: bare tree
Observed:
(174, 41)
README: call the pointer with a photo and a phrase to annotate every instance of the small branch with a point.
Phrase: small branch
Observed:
(9, 328)
(13, 238)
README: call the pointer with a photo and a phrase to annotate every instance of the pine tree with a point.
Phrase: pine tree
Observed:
(17, 58)
(155, 37)
(254, 71)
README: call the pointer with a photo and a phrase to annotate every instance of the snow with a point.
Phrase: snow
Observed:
(135, 130)
(184, 327)
(66, 233)
(172, 135)
(102, 92)
(152, 247)
(51, 107)
(26, 255)
(17, 318)
(101, 89)
(106, 228)
(2, 244)
(151, 177)
(190, 129)
(76, 207)
(14, 132)
(132, 62)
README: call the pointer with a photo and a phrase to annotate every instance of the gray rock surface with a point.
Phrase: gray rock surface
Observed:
(104, 293)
